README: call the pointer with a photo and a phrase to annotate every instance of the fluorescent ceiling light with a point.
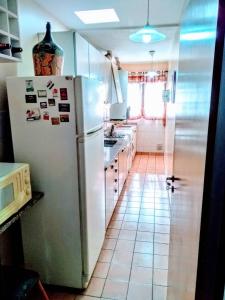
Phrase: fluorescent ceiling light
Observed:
(97, 16)
(197, 36)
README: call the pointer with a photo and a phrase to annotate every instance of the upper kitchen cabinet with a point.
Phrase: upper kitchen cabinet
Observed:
(123, 77)
(82, 47)
(9, 31)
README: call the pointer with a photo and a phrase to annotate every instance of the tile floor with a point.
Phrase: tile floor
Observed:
(133, 263)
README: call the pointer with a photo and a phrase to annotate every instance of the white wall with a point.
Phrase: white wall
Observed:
(33, 19)
(150, 136)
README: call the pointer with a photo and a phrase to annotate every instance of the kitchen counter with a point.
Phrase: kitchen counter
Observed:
(111, 152)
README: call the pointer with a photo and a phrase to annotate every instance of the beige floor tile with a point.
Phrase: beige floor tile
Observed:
(160, 277)
(127, 235)
(162, 213)
(142, 260)
(162, 238)
(161, 262)
(161, 249)
(162, 206)
(134, 199)
(139, 291)
(147, 212)
(129, 225)
(109, 244)
(144, 236)
(121, 204)
(143, 247)
(125, 246)
(131, 218)
(112, 233)
(122, 257)
(162, 220)
(101, 270)
(95, 287)
(159, 292)
(105, 256)
(119, 272)
(115, 290)
(147, 219)
(83, 297)
(141, 275)
(147, 205)
(146, 227)
(134, 204)
(160, 228)
(148, 200)
(115, 224)
(132, 210)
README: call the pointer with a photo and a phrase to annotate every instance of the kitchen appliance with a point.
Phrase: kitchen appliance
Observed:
(118, 111)
(63, 234)
(15, 188)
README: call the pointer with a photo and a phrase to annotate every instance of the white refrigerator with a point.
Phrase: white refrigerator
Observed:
(57, 127)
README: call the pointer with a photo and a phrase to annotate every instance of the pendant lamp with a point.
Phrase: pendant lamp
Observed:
(147, 34)
(152, 73)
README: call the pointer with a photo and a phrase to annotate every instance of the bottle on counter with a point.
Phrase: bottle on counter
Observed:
(47, 56)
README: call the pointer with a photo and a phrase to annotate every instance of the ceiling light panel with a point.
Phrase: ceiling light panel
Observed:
(97, 16)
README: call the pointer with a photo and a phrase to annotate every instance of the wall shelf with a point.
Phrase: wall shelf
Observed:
(9, 30)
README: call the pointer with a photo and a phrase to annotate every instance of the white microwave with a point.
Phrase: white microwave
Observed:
(15, 188)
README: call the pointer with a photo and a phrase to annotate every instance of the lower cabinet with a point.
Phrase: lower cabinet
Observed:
(111, 189)
(123, 167)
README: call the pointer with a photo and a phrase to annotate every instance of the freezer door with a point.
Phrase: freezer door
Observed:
(89, 96)
(92, 188)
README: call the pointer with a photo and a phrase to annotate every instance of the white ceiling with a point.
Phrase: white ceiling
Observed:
(164, 14)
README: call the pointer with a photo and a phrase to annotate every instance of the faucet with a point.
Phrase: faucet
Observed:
(111, 131)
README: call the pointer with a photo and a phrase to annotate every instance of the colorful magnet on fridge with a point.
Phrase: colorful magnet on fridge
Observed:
(63, 94)
(42, 93)
(50, 84)
(29, 85)
(33, 114)
(55, 121)
(55, 93)
(43, 105)
(64, 107)
(31, 98)
(51, 102)
(45, 115)
(64, 118)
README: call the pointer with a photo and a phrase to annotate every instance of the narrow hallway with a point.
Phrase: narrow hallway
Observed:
(133, 263)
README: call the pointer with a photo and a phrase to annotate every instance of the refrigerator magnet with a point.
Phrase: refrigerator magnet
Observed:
(29, 85)
(43, 105)
(42, 93)
(51, 102)
(64, 107)
(55, 121)
(64, 118)
(55, 93)
(31, 98)
(63, 94)
(33, 114)
(50, 84)
(45, 115)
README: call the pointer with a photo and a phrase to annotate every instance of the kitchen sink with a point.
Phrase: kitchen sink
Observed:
(109, 143)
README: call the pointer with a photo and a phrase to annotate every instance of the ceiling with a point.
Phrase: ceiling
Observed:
(164, 14)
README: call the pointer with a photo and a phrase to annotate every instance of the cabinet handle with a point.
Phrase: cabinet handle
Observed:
(116, 160)
(116, 170)
(112, 167)
(115, 180)
(122, 150)
(115, 191)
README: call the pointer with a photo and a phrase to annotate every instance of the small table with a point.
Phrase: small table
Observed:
(36, 196)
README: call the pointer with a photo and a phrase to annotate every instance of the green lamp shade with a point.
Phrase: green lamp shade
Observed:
(147, 35)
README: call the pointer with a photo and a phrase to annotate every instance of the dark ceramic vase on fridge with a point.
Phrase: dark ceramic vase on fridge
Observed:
(47, 56)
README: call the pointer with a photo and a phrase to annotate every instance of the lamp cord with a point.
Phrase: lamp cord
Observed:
(148, 14)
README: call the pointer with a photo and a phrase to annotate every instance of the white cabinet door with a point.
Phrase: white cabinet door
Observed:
(95, 63)
(81, 56)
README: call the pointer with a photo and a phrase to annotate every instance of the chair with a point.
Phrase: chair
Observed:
(17, 283)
